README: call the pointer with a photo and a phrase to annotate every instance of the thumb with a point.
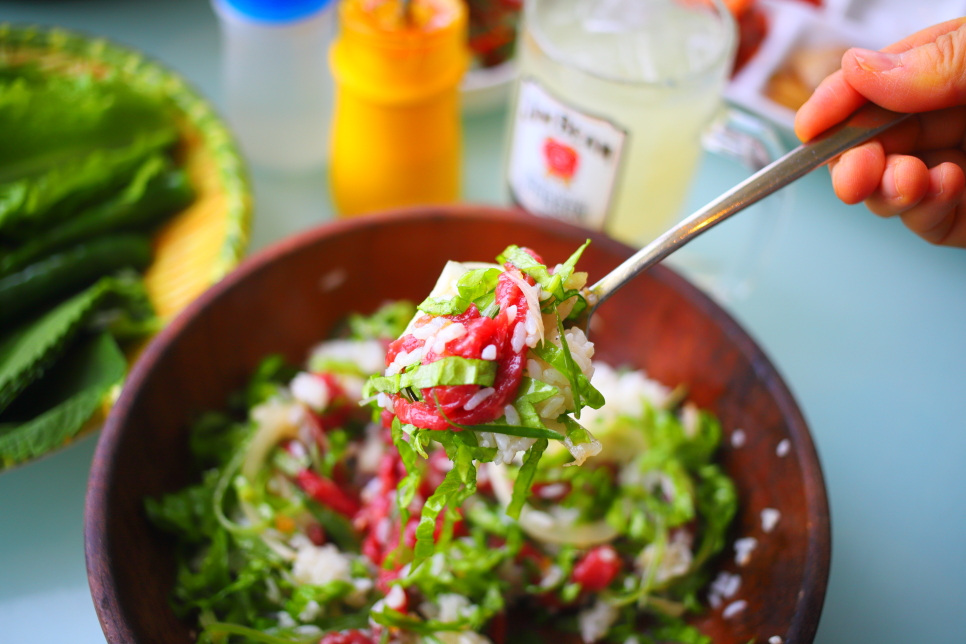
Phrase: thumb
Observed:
(928, 77)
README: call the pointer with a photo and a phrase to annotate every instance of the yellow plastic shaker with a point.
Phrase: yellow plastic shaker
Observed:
(396, 127)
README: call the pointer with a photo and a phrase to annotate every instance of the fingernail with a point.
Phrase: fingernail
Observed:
(933, 191)
(890, 189)
(875, 61)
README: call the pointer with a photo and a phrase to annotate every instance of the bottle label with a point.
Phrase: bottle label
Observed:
(563, 163)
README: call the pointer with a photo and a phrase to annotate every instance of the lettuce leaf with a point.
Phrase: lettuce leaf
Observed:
(451, 370)
(388, 323)
(215, 630)
(525, 478)
(188, 512)
(447, 494)
(475, 286)
(551, 283)
(58, 405)
(29, 203)
(717, 503)
(406, 490)
(556, 357)
(534, 391)
(155, 191)
(696, 450)
(272, 373)
(576, 432)
(302, 595)
(572, 370)
(30, 349)
(517, 430)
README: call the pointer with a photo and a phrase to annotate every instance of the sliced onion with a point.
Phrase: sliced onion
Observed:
(545, 527)
(277, 420)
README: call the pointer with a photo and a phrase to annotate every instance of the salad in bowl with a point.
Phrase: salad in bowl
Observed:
(461, 472)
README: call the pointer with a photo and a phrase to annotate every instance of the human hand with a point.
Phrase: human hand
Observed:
(916, 170)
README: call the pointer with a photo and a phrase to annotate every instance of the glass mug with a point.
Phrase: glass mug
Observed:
(611, 103)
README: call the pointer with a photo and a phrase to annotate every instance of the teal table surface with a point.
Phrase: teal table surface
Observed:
(866, 322)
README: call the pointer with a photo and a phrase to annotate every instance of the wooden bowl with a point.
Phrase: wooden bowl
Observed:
(197, 246)
(289, 296)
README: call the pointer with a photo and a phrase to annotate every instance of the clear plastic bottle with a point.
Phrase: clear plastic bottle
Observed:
(278, 87)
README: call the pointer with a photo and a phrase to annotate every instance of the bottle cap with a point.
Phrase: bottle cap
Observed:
(388, 58)
(276, 10)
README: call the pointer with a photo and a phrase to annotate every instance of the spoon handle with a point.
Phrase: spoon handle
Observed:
(864, 124)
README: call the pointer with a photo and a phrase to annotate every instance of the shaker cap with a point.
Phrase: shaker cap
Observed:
(277, 10)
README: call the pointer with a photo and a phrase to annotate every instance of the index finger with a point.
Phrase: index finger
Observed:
(924, 36)
(835, 99)
(831, 102)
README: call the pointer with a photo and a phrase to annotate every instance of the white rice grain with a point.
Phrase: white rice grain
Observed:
(535, 335)
(447, 334)
(775, 639)
(596, 621)
(743, 548)
(769, 519)
(534, 370)
(675, 562)
(519, 338)
(625, 394)
(311, 390)
(690, 419)
(511, 313)
(512, 417)
(489, 352)
(311, 611)
(429, 329)
(369, 355)
(783, 448)
(734, 608)
(402, 360)
(396, 598)
(478, 398)
(552, 491)
(507, 446)
(318, 565)
(582, 350)
(738, 438)
(725, 585)
(553, 577)
(385, 401)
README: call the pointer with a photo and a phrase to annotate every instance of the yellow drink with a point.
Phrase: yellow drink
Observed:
(396, 127)
(621, 92)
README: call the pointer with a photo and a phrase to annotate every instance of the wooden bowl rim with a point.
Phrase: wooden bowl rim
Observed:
(101, 578)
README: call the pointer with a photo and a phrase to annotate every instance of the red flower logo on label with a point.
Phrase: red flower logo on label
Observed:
(561, 159)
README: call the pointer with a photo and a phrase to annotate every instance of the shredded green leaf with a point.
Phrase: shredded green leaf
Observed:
(552, 284)
(475, 286)
(451, 370)
(387, 323)
(517, 430)
(525, 478)
(555, 356)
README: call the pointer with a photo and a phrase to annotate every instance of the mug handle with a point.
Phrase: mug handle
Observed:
(730, 275)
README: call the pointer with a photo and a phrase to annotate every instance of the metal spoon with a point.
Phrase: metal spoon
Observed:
(864, 124)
